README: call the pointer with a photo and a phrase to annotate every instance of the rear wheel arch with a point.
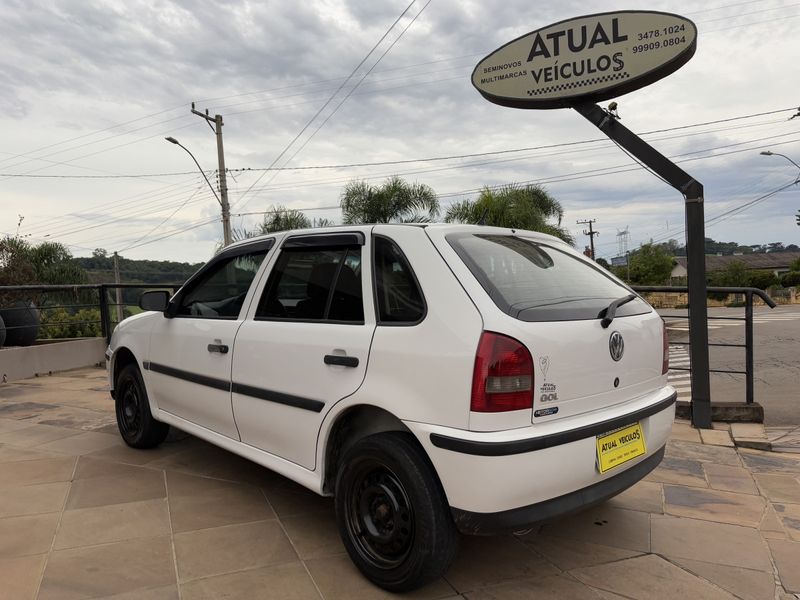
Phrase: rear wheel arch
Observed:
(352, 425)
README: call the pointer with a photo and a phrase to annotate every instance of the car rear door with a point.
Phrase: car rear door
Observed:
(307, 343)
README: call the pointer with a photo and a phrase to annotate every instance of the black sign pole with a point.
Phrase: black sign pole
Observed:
(692, 191)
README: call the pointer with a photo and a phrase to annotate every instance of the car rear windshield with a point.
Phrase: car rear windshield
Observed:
(533, 281)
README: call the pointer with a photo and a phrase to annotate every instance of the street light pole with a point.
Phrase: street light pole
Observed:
(223, 179)
(226, 211)
(797, 179)
(769, 153)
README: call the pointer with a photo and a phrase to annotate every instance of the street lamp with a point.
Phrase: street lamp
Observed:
(768, 153)
(226, 210)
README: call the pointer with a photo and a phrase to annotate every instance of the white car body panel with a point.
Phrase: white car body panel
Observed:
(287, 357)
(421, 374)
(181, 343)
(489, 484)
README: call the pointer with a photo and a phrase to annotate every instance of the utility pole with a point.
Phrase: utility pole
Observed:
(223, 181)
(119, 291)
(591, 233)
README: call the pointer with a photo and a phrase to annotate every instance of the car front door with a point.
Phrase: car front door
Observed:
(189, 363)
(306, 346)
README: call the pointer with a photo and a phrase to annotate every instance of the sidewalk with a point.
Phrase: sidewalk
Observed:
(83, 516)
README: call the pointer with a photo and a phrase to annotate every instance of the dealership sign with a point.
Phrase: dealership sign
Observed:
(586, 59)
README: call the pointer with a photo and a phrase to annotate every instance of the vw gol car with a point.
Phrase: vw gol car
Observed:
(433, 379)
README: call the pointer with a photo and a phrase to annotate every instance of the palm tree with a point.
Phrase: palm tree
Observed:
(395, 200)
(279, 218)
(282, 219)
(519, 207)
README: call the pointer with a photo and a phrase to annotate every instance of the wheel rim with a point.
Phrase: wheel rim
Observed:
(130, 414)
(380, 517)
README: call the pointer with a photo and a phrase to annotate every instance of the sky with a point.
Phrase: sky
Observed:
(90, 90)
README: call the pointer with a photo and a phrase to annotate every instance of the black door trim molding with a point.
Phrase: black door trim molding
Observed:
(479, 448)
(278, 397)
(212, 382)
(238, 388)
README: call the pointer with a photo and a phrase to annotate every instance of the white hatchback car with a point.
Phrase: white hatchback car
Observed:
(434, 379)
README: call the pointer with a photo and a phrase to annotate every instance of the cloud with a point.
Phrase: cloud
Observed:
(131, 69)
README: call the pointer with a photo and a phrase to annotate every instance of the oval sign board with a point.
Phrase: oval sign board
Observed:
(586, 59)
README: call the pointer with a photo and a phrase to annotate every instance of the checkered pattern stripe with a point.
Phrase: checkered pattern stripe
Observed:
(578, 84)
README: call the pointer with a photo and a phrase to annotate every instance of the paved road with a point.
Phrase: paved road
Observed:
(776, 357)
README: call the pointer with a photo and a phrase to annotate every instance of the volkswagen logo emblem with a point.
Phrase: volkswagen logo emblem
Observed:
(616, 346)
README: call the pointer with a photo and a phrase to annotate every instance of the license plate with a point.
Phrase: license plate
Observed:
(620, 446)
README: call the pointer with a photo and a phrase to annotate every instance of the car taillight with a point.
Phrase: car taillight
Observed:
(502, 379)
(665, 359)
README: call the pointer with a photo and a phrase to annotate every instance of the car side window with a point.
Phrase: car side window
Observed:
(220, 292)
(399, 298)
(314, 284)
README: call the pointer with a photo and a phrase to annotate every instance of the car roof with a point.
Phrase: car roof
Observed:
(440, 227)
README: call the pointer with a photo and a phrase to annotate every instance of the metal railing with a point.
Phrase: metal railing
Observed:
(86, 296)
(748, 294)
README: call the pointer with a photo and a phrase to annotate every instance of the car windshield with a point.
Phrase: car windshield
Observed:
(533, 281)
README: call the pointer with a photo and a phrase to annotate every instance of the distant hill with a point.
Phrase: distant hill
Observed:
(101, 270)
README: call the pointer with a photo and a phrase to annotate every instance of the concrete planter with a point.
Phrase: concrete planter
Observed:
(23, 362)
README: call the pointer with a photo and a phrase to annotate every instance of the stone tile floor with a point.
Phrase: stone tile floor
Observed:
(784, 439)
(83, 516)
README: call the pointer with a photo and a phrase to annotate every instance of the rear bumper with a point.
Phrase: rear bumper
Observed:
(506, 480)
(507, 521)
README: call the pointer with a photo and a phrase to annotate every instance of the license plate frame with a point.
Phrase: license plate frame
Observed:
(615, 448)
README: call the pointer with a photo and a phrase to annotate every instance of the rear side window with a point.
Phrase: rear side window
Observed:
(532, 281)
(399, 298)
(314, 284)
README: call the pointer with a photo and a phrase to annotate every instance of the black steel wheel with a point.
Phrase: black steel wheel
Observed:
(392, 513)
(135, 421)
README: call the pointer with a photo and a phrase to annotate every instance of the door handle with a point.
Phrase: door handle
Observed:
(221, 348)
(342, 361)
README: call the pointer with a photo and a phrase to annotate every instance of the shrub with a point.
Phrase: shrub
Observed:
(791, 279)
(762, 279)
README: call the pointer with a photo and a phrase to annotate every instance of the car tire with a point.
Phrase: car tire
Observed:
(135, 421)
(392, 513)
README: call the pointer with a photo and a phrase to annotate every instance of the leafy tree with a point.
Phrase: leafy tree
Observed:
(520, 207)
(795, 266)
(51, 263)
(395, 200)
(648, 265)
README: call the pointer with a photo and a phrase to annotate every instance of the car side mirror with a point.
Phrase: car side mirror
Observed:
(156, 300)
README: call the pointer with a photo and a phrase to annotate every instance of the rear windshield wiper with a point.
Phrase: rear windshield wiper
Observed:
(610, 311)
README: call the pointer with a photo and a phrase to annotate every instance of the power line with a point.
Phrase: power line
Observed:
(727, 213)
(423, 159)
(135, 176)
(353, 89)
(137, 199)
(330, 99)
(167, 218)
(736, 16)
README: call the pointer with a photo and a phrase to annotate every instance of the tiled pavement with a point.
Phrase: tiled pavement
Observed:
(784, 439)
(83, 516)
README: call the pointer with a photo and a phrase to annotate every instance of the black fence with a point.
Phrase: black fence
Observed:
(88, 310)
(747, 294)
